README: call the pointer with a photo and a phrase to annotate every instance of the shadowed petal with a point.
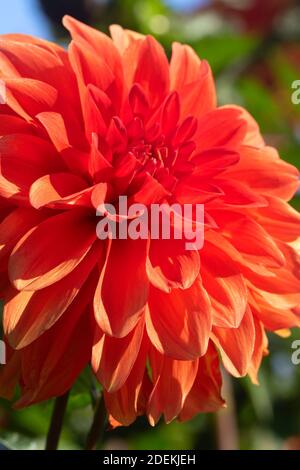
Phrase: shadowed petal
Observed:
(67, 236)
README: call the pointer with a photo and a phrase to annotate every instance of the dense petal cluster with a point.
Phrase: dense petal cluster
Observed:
(113, 117)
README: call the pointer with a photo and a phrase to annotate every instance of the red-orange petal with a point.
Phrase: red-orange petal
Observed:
(236, 345)
(67, 236)
(114, 358)
(117, 311)
(179, 323)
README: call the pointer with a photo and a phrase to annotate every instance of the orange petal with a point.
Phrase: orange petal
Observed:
(67, 236)
(220, 127)
(193, 79)
(129, 401)
(184, 66)
(15, 226)
(99, 42)
(273, 315)
(172, 385)
(170, 265)
(55, 187)
(28, 97)
(260, 350)
(280, 219)
(253, 137)
(28, 314)
(255, 244)
(91, 68)
(114, 358)
(205, 395)
(25, 158)
(53, 362)
(236, 345)
(179, 323)
(152, 71)
(117, 310)
(198, 98)
(265, 173)
(225, 285)
(26, 60)
(123, 38)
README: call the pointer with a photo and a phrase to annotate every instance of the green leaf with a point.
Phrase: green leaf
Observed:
(262, 105)
(222, 50)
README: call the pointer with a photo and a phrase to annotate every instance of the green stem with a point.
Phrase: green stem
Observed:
(98, 426)
(56, 424)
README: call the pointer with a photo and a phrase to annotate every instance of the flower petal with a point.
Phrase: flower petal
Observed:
(172, 381)
(91, 68)
(280, 219)
(27, 315)
(15, 226)
(128, 402)
(29, 97)
(170, 265)
(53, 362)
(67, 236)
(152, 71)
(55, 187)
(114, 358)
(205, 395)
(118, 310)
(23, 159)
(220, 127)
(98, 41)
(225, 286)
(179, 323)
(265, 173)
(236, 345)
(260, 350)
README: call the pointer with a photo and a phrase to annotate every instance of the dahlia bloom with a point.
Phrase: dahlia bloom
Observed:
(114, 117)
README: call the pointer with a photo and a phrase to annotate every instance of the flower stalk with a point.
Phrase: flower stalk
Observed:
(56, 424)
(98, 425)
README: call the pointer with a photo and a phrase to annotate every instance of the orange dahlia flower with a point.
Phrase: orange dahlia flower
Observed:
(114, 117)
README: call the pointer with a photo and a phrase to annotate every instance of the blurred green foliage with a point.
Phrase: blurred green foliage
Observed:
(256, 72)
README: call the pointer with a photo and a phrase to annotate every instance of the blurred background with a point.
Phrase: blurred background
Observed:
(253, 47)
